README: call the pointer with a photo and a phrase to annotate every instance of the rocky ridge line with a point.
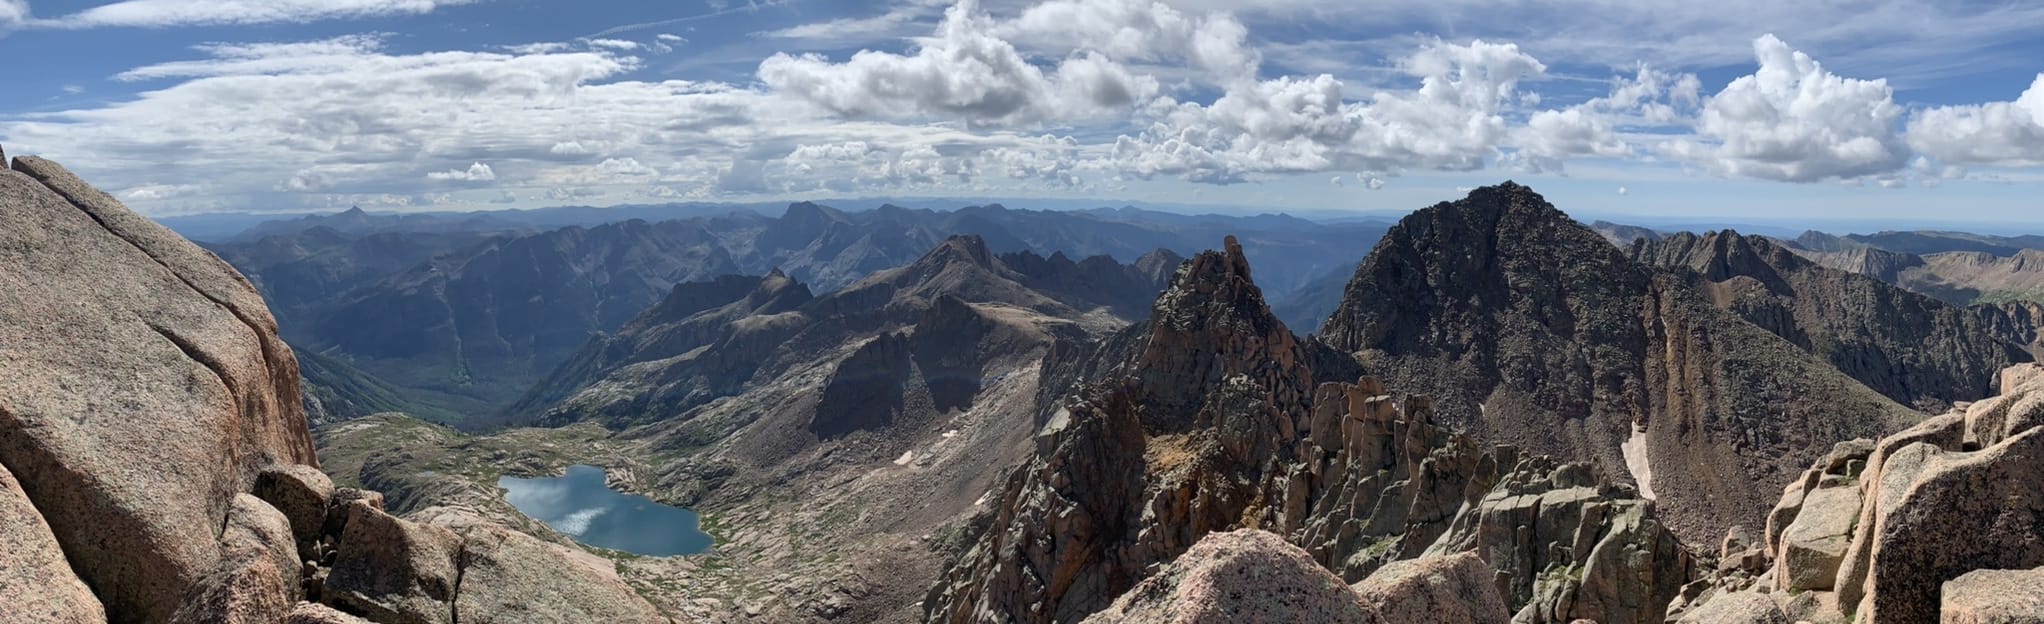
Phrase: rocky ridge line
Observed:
(1214, 422)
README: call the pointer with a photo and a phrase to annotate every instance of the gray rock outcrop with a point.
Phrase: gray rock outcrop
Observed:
(1240, 576)
(1993, 597)
(1454, 588)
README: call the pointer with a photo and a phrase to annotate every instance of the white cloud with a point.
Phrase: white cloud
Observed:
(671, 38)
(1793, 121)
(963, 72)
(162, 13)
(1912, 39)
(1138, 30)
(566, 194)
(1060, 96)
(572, 148)
(614, 44)
(1453, 121)
(898, 21)
(624, 167)
(858, 165)
(477, 172)
(13, 13)
(2009, 134)
(159, 191)
(73, 89)
(1622, 191)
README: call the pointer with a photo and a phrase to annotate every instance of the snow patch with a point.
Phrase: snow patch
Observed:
(1635, 451)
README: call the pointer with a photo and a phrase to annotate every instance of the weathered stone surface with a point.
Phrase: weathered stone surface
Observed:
(1813, 546)
(394, 571)
(1737, 608)
(258, 578)
(314, 613)
(1993, 597)
(1967, 512)
(1240, 576)
(1452, 589)
(146, 385)
(2018, 409)
(1565, 549)
(338, 505)
(508, 577)
(36, 585)
(1885, 480)
(301, 492)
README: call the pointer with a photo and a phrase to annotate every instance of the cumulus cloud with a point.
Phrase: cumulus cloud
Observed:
(1795, 122)
(1994, 134)
(316, 117)
(477, 172)
(965, 71)
(1139, 30)
(860, 165)
(13, 13)
(162, 13)
(1453, 121)
(1063, 94)
(1647, 99)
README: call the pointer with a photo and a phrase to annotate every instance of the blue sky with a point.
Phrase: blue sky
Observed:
(1895, 110)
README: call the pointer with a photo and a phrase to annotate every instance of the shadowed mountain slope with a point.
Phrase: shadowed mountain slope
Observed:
(1531, 329)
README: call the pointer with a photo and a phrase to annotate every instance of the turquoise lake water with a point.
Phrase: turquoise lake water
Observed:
(579, 505)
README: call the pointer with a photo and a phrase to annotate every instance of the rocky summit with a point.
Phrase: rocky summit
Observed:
(1531, 329)
(156, 466)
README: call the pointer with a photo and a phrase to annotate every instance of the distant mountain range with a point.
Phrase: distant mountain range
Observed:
(460, 315)
(1957, 267)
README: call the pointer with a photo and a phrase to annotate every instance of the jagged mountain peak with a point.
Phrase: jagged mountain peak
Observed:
(968, 248)
(1723, 254)
(1214, 282)
(1472, 256)
(811, 212)
(1209, 328)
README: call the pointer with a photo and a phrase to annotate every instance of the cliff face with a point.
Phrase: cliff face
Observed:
(155, 464)
(1910, 347)
(1208, 418)
(1530, 329)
